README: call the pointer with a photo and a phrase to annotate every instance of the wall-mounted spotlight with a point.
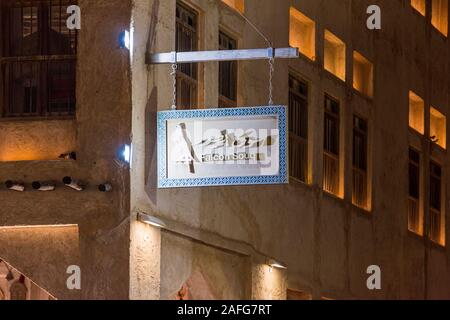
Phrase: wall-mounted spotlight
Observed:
(125, 153)
(71, 183)
(276, 264)
(150, 220)
(105, 187)
(69, 156)
(43, 186)
(125, 40)
(15, 186)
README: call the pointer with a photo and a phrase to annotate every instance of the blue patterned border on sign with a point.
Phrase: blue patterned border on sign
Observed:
(164, 116)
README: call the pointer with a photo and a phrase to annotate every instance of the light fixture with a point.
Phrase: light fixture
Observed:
(126, 153)
(125, 40)
(43, 186)
(276, 264)
(150, 220)
(71, 183)
(15, 186)
(105, 187)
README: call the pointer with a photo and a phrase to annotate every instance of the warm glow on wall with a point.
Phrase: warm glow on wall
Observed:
(334, 55)
(420, 6)
(236, 4)
(416, 113)
(36, 140)
(438, 127)
(439, 15)
(362, 74)
(302, 33)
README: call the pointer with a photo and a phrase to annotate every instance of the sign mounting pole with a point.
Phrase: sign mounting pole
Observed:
(221, 55)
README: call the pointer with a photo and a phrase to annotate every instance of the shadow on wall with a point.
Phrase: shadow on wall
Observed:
(43, 254)
(151, 152)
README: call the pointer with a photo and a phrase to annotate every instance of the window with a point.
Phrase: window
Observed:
(436, 233)
(362, 74)
(416, 113)
(227, 74)
(420, 6)
(360, 143)
(334, 55)
(236, 4)
(298, 128)
(186, 40)
(438, 127)
(415, 223)
(38, 58)
(439, 16)
(302, 33)
(331, 154)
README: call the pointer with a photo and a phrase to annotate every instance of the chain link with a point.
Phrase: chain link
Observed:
(174, 77)
(271, 72)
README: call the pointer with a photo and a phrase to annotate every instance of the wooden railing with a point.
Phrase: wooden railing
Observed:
(359, 188)
(435, 225)
(298, 157)
(413, 215)
(331, 173)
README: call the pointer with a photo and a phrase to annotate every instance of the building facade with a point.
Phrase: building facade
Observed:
(367, 150)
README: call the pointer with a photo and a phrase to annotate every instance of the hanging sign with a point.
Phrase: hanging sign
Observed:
(218, 147)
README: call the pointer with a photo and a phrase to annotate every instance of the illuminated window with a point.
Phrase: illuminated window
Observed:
(331, 152)
(360, 144)
(298, 129)
(420, 6)
(236, 4)
(416, 113)
(438, 128)
(439, 15)
(437, 219)
(334, 55)
(302, 33)
(362, 74)
(415, 217)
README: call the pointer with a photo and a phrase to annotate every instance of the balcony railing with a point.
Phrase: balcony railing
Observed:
(38, 86)
(298, 157)
(331, 173)
(359, 188)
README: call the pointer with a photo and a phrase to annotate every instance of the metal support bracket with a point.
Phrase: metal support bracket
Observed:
(221, 55)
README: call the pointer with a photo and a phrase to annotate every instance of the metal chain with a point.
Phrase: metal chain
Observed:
(174, 77)
(271, 72)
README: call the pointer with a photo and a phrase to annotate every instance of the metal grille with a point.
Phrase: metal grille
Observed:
(186, 40)
(435, 202)
(331, 146)
(227, 74)
(298, 129)
(359, 162)
(38, 58)
(414, 218)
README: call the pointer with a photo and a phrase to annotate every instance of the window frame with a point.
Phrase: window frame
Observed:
(42, 61)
